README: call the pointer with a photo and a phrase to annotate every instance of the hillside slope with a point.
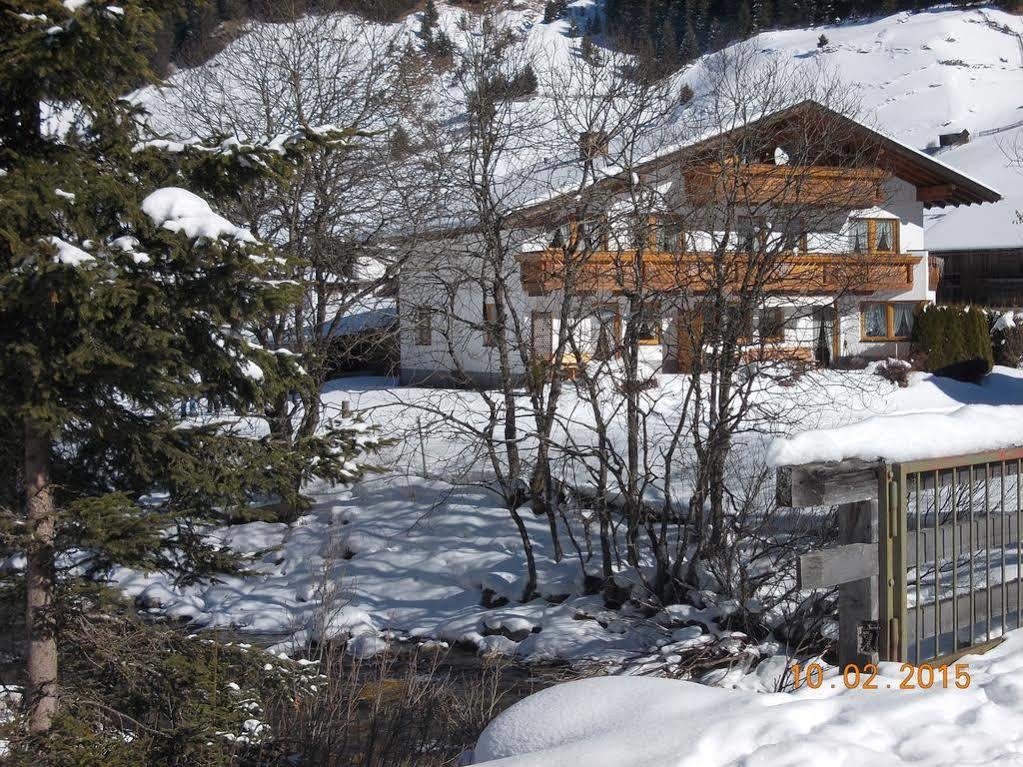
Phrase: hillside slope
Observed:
(915, 76)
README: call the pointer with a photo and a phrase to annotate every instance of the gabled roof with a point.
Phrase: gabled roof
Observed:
(938, 183)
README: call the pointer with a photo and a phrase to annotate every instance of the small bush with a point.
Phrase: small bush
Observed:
(1007, 339)
(896, 371)
(953, 341)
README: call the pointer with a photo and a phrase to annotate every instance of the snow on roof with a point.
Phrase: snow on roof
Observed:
(987, 226)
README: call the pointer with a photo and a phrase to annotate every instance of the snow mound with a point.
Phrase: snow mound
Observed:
(908, 437)
(178, 210)
(647, 722)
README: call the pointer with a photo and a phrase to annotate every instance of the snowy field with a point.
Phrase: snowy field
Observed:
(594, 722)
(407, 555)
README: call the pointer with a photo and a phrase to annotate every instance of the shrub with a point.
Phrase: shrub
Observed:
(896, 371)
(1007, 339)
(953, 341)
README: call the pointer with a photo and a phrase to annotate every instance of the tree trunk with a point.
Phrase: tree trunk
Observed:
(42, 642)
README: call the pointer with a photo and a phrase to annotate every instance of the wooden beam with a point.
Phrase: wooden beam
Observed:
(842, 564)
(827, 484)
(934, 193)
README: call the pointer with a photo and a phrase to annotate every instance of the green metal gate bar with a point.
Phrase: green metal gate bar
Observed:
(950, 554)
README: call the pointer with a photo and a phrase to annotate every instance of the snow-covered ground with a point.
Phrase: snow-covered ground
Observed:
(410, 554)
(645, 722)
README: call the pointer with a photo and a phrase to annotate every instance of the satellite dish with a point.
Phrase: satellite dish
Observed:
(781, 157)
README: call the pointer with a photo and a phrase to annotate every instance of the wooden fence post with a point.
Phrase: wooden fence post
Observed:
(858, 599)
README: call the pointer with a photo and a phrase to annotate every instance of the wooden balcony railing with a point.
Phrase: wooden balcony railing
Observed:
(797, 273)
(764, 184)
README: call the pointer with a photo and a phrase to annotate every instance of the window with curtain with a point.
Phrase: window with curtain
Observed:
(771, 326)
(793, 235)
(859, 237)
(750, 232)
(669, 236)
(888, 321)
(902, 320)
(874, 235)
(649, 325)
(884, 236)
(875, 321)
(639, 232)
(593, 234)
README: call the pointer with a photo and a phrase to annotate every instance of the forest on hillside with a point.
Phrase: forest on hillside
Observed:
(668, 32)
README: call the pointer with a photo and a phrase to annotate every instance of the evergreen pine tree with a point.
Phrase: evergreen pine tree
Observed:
(123, 295)
(745, 19)
(823, 42)
(690, 45)
(429, 22)
(764, 14)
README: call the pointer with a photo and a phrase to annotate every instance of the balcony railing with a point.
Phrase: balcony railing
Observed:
(765, 184)
(799, 273)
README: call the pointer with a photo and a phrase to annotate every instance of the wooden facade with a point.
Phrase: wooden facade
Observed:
(990, 277)
(766, 184)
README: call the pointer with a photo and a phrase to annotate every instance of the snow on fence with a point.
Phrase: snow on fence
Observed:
(928, 565)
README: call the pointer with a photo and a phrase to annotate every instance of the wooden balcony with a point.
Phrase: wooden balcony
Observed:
(695, 273)
(764, 184)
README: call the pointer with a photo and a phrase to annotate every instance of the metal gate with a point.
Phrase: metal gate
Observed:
(950, 552)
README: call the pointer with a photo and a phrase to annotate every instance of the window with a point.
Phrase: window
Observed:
(902, 320)
(490, 330)
(887, 321)
(751, 233)
(608, 329)
(772, 324)
(592, 234)
(875, 320)
(648, 326)
(793, 236)
(424, 328)
(639, 232)
(670, 236)
(874, 235)
(562, 237)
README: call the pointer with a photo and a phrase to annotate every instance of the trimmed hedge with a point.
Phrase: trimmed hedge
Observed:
(953, 341)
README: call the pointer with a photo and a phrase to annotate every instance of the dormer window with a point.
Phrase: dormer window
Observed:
(874, 235)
